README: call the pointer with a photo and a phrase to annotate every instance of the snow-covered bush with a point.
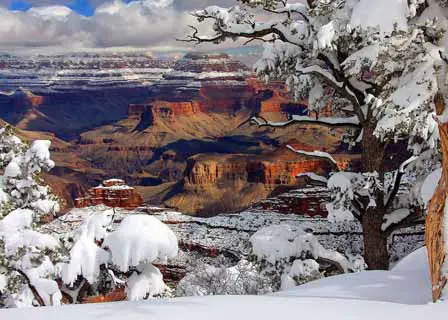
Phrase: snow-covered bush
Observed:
(290, 256)
(124, 254)
(301, 271)
(206, 279)
(375, 64)
(27, 256)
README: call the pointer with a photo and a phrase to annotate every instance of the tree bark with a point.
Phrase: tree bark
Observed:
(376, 252)
(434, 236)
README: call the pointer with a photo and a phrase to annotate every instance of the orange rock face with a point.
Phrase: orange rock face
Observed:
(221, 170)
(112, 193)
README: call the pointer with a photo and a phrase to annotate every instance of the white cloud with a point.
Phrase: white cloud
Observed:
(51, 12)
(114, 24)
(153, 24)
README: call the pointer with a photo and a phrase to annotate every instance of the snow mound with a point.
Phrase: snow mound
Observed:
(141, 239)
(407, 283)
(416, 261)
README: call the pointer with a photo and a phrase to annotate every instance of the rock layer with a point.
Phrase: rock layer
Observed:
(112, 193)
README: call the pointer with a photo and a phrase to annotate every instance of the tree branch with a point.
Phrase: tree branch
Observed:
(32, 288)
(353, 95)
(327, 122)
(313, 179)
(397, 181)
(222, 34)
(317, 154)
(411, 221)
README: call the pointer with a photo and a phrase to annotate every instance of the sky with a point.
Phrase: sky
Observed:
(28, 26)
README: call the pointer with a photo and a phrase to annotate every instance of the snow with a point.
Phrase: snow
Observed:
(41, 150)
(300, 269)
(341, 185)
(367, 56)
(114, 180)
(48, 290)
(326, 35)
(141, 239)
(85, 259)
(29, 238)
(402, 293)
(3, 195)
(16, 220)
(313, 176)
(3, 282)
(148, 282)
(430, 185)
(12, 170)
(95, 226)
(278, 242)
(338, 214)
(382, 14)
(415, 261)
(46, 206)
(318, 154)
(408, 283)
(235, 307)
(394, 217)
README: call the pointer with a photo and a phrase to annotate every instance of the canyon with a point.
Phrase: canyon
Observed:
(181, 138)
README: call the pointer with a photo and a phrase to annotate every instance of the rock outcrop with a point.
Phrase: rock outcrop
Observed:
(223, 183)
(306, 201)
(112, 193)
(278, 168)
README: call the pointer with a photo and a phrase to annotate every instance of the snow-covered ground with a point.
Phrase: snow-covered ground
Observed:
(407, 283)
(402, 293)
(231, 232)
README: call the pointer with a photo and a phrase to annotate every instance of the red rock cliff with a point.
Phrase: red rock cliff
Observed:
(112, 193)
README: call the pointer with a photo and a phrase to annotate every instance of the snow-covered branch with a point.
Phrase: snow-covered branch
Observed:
(316, 154)
(397, 180)
(315, 178)
(332, 122)
(237, 22)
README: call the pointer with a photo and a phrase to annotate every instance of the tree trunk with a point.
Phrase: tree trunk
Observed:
(434, 235)
(376, 253)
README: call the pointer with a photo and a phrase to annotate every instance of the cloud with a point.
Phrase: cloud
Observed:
(151, 24)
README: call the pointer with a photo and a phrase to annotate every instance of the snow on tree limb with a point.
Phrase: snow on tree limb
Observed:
(130, 245)
(397, 180)
(278, 242)
(317, 154)
(332, 122)
(394, 217)
(237, 22)
(314, 177)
